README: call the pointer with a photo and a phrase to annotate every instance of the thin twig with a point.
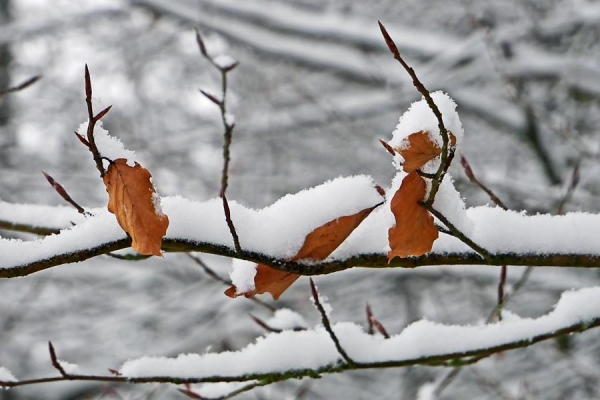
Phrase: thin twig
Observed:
(228, 126)
(234, 235)
(445, 158)
(92, 120)
(63, 193)
(264, 325)
(469, 172)
(21, 86)
(56, 363)
(327, 325)
(503, 270)
(373, 322)
(456, 232)
(501, 299)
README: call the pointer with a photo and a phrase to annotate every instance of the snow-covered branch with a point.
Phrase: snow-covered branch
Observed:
(311, 353)
(273, 234)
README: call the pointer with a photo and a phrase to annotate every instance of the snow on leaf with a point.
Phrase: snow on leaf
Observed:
(414, 231)
(131, 199)
(318, 245)
(417, 150)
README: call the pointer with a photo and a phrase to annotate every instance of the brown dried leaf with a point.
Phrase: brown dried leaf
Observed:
(414, 232)
(417, 149)
(131, 200)
(318, 245)
(267, 280)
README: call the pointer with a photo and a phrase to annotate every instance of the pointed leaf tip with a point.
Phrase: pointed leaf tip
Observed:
(131, 199)
(414, 231)
(318, 245)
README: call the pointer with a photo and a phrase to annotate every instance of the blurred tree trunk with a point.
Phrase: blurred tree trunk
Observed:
(7, 137)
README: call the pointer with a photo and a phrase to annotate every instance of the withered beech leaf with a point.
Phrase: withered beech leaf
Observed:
(318, 245)
(417, 150)
(267, 280)
(415, 231)
(130, 198)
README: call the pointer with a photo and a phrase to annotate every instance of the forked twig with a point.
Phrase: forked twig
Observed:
(92, 120)
(56, 363)
(446, 157)
(374, 323)
(228, 126)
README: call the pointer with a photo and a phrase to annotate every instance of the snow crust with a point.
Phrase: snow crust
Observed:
(284, 318)
(6, 375)
(242, 275)
(69, 368)
(314, 348)
(224, 61)
(419, 117)
(279, 230)
(55, 217)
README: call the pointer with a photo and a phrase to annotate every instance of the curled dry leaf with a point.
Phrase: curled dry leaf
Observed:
(418, 149)
(415, 231)
(318, 245)
(131, 199)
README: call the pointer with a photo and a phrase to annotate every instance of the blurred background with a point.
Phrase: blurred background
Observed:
(315, 89)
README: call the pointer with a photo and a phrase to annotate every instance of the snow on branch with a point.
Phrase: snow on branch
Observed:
(293, 354)
(276, 232)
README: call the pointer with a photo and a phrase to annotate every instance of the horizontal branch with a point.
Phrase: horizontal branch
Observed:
(454, 359)
(269, 235)
(379, 261)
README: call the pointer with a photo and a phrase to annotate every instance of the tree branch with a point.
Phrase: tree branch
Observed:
(453, 359)
(378, 261)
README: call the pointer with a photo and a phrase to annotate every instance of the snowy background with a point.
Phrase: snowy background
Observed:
(315, 90)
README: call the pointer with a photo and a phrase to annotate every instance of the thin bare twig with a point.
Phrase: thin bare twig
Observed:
(230, 225)
(228, 126)
(63, 193)
(469, 172)
(56, 363)
(327, 325)
(446, 157)
(456, 232)
(21, 86)
(374, 323)
(92, 120)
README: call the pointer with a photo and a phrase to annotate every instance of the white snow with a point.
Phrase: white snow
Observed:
(242, 275)
(419, 117)
(6, 375)
(70, 368)
(54, 217)
(224, 61)
(314, 348)
(284, 318)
